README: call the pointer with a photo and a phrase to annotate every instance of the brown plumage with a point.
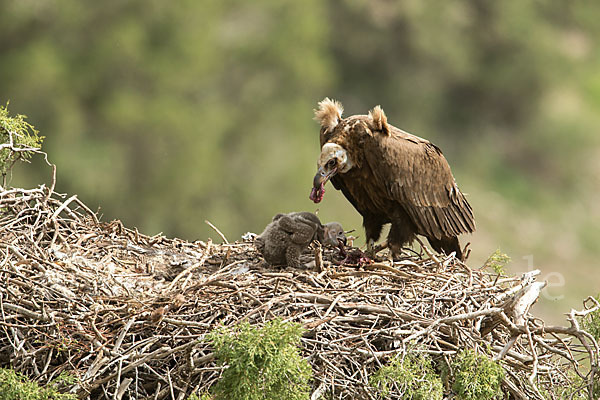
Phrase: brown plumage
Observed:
(390, 176)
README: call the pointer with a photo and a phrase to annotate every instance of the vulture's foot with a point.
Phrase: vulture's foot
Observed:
(373, 249)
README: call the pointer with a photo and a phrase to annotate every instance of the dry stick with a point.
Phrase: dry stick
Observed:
(534, 369)
(565, 345)
(524, 299)
(123, 388)
(25, 312)
(387, 267)
(580, 334)
(216, 230)
(52, 185)
(316, 395)
(379, 304)
(157, 390)
(63, 207)
(189, 324)
(449, 320)
(47, 364)
(429, 253)
(511, 342)
(158, 354)
(170, 384)
(96, 365)
(318, 257)
(519, 307)
(512, 388)
(118, 380)
(526, 279)
(190, 269)
(122, 334)
(90, 212)
(333, 303)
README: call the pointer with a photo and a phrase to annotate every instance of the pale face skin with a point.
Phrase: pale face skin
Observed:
(333, 159)
(333, 234)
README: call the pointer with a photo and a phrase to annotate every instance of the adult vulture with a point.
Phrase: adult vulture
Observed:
(390, 176)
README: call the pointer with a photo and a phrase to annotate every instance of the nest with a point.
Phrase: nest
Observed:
(127, 313)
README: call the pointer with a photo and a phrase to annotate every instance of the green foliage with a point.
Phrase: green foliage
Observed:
(262, 363)
(476, 376)
(14, 386)
(23, 136)
(497, 261)
(578, 389)
(591, 323)
(414, 376)
(203, 396)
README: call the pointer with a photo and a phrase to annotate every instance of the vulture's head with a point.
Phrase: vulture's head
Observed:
(333, 234)
(340, 151)
(333, 160)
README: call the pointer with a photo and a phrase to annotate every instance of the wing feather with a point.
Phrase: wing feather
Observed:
(414, 172)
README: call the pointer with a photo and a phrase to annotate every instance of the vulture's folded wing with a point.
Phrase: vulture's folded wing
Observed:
(413, 172)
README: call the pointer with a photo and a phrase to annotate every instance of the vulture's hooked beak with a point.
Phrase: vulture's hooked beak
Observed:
(323, 176)
(319, 181)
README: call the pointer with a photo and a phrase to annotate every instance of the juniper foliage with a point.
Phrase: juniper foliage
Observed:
(19, 140)
(262, 363)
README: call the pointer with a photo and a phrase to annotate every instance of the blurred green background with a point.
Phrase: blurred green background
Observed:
(164, 114)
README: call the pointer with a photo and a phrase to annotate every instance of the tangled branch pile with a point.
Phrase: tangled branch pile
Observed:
(127, 314)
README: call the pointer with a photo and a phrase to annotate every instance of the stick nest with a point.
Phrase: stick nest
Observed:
(127, 313)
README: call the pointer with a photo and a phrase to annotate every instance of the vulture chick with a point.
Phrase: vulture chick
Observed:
(287, 235)
(390, 176)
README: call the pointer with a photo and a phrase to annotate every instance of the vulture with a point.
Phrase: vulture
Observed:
(390, 176)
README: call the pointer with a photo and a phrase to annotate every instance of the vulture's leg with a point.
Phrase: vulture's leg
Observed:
(401, 232)
(292, 256)
(373, 227)
(370, 248)
(446, 245)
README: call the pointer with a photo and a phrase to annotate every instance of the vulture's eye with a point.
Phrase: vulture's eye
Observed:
(331, 163)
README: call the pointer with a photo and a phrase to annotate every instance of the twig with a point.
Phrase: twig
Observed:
(217, 230)
(70, 282)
